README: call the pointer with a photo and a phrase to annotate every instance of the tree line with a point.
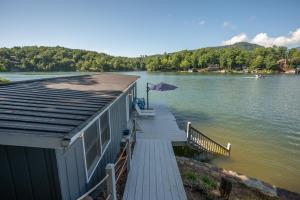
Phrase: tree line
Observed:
(47, 59)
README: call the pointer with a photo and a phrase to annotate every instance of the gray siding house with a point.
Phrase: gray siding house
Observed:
(57, 135)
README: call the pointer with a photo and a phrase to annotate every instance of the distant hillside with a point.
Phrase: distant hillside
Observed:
(242, 45)
(231, 57)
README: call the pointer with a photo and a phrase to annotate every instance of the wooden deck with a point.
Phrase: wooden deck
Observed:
(162, 126)
(154, 172)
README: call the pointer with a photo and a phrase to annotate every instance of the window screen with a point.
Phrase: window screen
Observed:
(105, 129)
(92, 145)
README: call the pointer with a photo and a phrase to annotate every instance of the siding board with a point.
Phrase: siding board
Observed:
(7, 188)
(71, 164)
(24, 173)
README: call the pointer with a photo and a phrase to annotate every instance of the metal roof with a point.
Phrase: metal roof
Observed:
(57, 107)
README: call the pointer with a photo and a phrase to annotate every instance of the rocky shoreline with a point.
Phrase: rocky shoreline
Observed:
(202, 181)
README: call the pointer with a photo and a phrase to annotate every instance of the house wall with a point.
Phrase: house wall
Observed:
(28, 173)
(70, 162)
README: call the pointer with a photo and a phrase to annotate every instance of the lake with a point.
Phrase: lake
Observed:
(259, 117)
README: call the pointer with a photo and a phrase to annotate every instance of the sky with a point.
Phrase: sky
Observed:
(139, 27)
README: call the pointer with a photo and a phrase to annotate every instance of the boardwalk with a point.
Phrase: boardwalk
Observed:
(154, 173)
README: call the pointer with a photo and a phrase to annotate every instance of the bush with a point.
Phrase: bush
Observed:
(209, 183)
(190, 176)
(4, 81)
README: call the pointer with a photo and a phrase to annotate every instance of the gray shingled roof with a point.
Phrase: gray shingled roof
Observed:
(57, 106)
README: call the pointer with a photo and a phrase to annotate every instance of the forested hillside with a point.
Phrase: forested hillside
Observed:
(234, 57)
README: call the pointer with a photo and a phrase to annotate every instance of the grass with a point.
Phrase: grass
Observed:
(4, 81)
(185, 151)
(193, 178)
(190, 176)
(209, 183)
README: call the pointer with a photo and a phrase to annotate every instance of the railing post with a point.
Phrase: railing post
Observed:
(111, 181)
(134, 130)
(188, 126)
(229, 147)
(128, 153)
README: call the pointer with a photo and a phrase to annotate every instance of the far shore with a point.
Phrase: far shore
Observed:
(200, 71)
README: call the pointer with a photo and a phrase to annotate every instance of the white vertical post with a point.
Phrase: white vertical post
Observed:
(111, 181)
(134, 128)
(188, 130)
(229, 147)
(128, 152)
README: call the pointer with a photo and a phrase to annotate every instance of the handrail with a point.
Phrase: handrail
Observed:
(122, 168)
(108, 197)
(203, 142)
(121, 155)
(114, 173)
(93, 188)
(208, 137)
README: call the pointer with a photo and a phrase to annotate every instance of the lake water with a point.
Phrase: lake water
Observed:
(259, 117)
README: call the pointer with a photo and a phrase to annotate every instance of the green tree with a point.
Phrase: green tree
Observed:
(258, 62)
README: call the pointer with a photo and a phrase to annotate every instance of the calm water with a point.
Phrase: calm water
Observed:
(259, 117)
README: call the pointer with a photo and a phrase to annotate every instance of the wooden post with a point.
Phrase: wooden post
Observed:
(128, 152)
(147, 89)
(134, 129)
(188, 130)
(111, 181)
(229, 147)
(135, 90)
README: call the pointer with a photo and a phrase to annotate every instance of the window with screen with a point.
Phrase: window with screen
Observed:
(105, 129)
(92, 146)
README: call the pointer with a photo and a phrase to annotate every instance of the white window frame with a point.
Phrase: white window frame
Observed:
(127, 108)
(88, 176)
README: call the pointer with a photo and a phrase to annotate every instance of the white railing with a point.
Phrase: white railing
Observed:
(204, 143)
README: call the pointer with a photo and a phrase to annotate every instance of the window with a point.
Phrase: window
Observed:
(96, 139)
(105, 129)
(92, 146)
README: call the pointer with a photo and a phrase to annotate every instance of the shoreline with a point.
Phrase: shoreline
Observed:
(242, 185)
(200, 71)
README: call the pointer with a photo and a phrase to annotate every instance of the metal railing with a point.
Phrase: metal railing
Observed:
(204, 143)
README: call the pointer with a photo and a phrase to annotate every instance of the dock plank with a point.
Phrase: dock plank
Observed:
(140, 172)
(154, 173)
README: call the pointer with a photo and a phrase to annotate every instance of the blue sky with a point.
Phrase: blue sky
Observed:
(133, 28)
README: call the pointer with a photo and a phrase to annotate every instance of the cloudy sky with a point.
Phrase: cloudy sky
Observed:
(133, 28)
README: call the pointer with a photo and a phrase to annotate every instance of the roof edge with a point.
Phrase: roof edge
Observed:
(74, 134)
(43, 79)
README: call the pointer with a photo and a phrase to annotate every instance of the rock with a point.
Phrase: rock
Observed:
(237, 178)
(287, 195)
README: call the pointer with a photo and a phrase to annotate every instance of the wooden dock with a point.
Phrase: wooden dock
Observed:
(154, 172)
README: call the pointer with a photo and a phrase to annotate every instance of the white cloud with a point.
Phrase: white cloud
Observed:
(242, 37)
(202, 22)
(228, 25)
(293, 38)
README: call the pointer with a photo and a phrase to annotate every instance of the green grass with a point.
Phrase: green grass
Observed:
(185, 151)
(191, 176)
(209, 183)
(4, 81)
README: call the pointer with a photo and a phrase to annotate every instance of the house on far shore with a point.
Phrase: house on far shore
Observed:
(58, 134)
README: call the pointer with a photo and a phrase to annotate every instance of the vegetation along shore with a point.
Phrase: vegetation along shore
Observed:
(236, 58)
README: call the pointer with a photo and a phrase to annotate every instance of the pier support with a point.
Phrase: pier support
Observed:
(111, 181)
(188, 130)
